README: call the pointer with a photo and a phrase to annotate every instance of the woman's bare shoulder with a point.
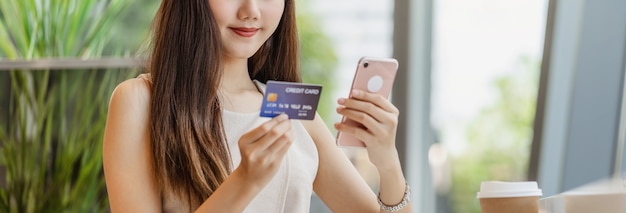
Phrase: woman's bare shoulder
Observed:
(135, 92)
(129, 109)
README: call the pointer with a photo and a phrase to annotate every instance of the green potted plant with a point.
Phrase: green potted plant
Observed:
(53, 120)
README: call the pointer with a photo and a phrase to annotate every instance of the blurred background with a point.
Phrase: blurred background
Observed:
(488, 90)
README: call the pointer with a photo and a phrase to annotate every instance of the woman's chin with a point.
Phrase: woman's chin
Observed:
(241, 51)
(240, 54)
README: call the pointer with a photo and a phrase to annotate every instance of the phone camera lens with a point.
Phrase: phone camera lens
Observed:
(366, 64)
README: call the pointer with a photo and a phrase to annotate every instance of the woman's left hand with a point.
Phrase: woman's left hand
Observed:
(379, 122)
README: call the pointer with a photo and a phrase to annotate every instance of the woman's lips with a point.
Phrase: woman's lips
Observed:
(244, 31)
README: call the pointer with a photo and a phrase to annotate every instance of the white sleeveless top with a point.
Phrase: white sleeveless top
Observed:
(290, 189)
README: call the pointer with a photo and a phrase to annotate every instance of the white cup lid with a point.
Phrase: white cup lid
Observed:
(498, 189)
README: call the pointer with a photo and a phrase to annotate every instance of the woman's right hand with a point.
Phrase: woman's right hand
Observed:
(263, 149)
(262, 152)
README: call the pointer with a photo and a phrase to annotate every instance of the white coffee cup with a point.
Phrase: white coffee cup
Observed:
(509, 197)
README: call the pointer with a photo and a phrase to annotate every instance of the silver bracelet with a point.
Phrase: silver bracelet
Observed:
(399, 206)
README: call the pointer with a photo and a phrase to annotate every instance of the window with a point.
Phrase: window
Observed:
(486, 60)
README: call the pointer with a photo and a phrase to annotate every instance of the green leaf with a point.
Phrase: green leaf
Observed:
(6, 45)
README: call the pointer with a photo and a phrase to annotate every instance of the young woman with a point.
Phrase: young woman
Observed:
(187, 136)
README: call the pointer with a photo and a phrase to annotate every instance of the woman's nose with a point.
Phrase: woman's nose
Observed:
(249, 9)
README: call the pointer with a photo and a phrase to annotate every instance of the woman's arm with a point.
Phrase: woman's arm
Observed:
(338, 183)
(127, 157)
(380, 121)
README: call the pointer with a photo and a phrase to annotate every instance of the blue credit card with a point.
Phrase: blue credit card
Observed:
(297, 100)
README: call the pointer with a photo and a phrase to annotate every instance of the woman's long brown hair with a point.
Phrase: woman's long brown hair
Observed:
(190, 151)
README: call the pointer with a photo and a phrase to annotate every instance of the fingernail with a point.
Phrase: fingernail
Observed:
(356, 93)
(283, 117)
(341, 100)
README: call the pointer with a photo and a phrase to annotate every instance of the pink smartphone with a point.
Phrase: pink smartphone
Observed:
(374, 75)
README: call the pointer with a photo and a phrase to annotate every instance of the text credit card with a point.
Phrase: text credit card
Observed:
(297, 100)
